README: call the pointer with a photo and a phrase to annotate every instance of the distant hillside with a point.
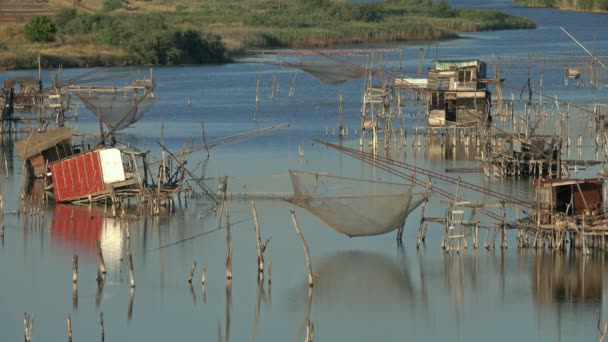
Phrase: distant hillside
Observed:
(576, 5)
(164, 32)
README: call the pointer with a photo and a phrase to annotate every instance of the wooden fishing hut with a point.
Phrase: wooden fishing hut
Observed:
(567, 211)
(96, 176)
(570, 197)
(456, 94)
(521, 155)
(39, 150)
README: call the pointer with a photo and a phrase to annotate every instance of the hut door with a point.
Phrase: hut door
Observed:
(450, 110)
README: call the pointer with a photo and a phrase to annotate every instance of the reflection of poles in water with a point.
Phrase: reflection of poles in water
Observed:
(454, 280)
(131, 298)
(260, 293)
(228, 248)
(190, 281)
(75, 281)
(102, 332)
(423, 287)
(203, 280)
(292, 85)
(310, 330)
(226, 337)
(257, 96)
(601, 330)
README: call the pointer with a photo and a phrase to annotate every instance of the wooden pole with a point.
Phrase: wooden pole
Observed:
(204, 275)
(102, 264)
(69, 328)
(258, 238)
(192, 272)
(304, 246)
(28, 326)
(131, 272)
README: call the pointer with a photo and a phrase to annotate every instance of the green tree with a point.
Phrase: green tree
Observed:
(64, 16)
(40, 29)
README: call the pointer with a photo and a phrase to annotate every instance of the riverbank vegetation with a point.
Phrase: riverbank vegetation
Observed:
(164, 32)
(576, 5)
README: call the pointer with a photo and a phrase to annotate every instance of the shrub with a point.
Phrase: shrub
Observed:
(111, 5)
(64, 16)
(40, 29)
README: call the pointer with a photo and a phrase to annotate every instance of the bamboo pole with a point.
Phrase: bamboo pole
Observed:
(304, 246)
(192, 272)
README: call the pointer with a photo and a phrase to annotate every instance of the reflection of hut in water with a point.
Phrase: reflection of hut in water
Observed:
(567, 279)
(360, 280)
(456, 95)
(81, 227)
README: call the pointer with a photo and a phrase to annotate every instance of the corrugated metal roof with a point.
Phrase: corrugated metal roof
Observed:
(447, 64)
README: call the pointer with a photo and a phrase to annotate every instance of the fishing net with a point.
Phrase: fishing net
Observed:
(113, 107)
(354, 207)
(329, 71)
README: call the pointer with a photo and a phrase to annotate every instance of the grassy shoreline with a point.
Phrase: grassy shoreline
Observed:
(165, 32)
(593, 6)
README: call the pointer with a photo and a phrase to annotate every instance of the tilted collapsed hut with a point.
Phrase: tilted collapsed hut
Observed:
(41, 149)
(456, 94)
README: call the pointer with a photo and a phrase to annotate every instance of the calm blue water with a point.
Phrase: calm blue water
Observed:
(366, 288)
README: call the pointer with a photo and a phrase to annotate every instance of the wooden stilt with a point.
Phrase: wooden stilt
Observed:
(304, 246)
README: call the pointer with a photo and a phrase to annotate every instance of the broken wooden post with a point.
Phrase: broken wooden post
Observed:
(304, 246)
(192, 272)
(69, 328)
(28, 326)
(103, 337)
(102, 264)
(261, 247)
(131, 272)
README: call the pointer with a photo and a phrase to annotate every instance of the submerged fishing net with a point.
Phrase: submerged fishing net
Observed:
(354, 207)
(329, 71)
(113, 107)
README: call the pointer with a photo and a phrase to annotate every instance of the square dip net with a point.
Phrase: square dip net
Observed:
(355, 207)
